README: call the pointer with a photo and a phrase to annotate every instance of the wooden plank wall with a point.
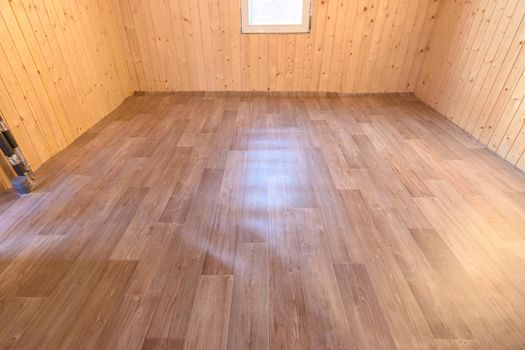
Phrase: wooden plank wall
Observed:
(355, 46)
(474, 72)
(63, 66)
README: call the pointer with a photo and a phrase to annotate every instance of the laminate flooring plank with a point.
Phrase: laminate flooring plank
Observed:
(210, 316)
(15, 316)
(363, 310)
(174, 308)
(328, 325)
(249, 325)
(85, 331)
(153, 255)
(287, 305)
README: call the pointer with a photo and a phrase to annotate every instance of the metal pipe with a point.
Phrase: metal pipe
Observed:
(12, 156)
(9, 147)
(4, 130)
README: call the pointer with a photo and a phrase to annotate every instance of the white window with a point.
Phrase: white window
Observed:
(275, 16)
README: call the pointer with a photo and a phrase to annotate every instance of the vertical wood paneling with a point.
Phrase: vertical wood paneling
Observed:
(474, 72)
(354, 46)
(63, 66)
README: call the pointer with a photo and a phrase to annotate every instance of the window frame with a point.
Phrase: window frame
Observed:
(247, 28)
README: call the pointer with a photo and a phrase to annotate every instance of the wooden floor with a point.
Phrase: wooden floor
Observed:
(238, 221)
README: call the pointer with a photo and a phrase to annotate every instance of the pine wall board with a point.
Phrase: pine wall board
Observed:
(63, 66)
(474, 72)
(354, 46)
